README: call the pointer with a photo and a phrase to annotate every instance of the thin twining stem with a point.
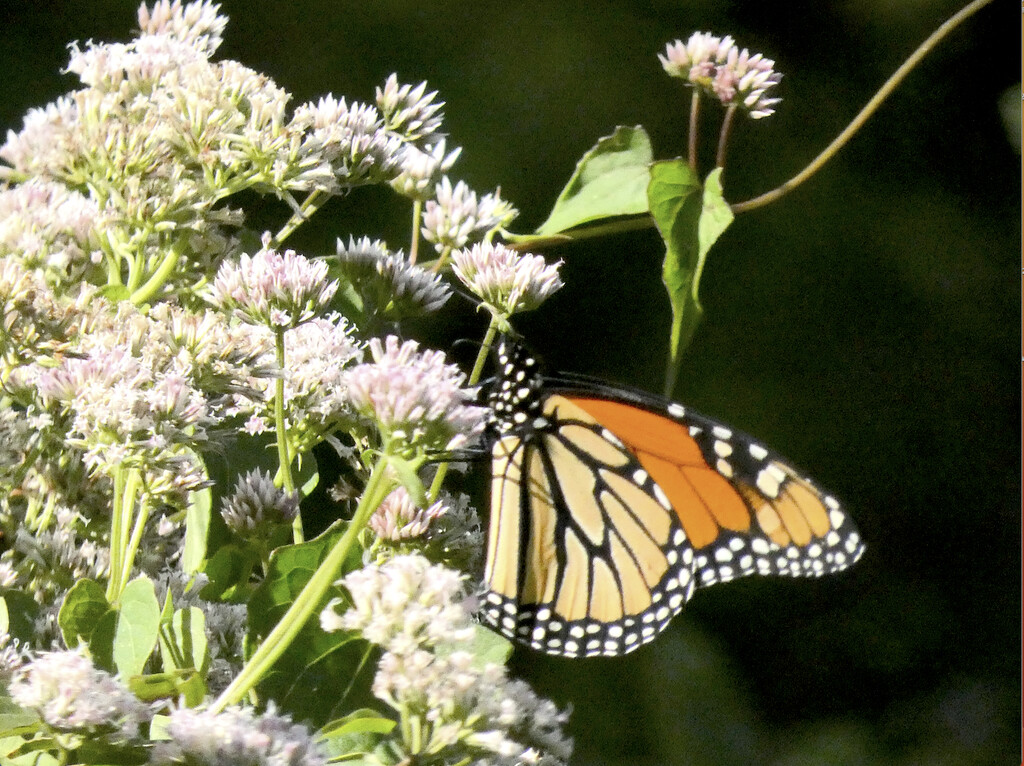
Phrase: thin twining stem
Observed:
(869, 109)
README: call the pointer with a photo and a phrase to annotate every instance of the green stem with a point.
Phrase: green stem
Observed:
(414, 241)
(692, 141)
(160, 276)
(136, 539)
(588, 232)
(116, 519)
(869, 109)
(124, 503)
(310, 597)
(723, 136)
(284, 457)
(309, 206)
(474, 378)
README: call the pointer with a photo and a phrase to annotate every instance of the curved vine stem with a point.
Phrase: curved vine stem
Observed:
(869, 109)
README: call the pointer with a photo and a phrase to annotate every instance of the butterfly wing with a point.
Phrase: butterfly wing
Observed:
(583, 557)
(609, 506)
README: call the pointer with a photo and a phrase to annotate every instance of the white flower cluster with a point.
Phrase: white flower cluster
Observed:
(455, 217)
(389, 285)
(506, 281)
(415, 398)
(397, 518)
(71, 695)
(236, 737)
(279, 290)
(414, 609)
(718, 66)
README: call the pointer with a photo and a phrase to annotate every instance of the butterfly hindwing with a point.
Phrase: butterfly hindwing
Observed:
(609, 506)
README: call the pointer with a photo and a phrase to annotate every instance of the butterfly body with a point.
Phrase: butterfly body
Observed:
(609, 507)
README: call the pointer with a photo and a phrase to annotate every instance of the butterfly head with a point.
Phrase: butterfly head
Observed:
(515, 395)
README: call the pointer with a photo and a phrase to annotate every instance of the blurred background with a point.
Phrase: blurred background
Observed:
(865, 326)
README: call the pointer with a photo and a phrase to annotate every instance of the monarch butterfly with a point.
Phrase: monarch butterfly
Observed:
(610, 506)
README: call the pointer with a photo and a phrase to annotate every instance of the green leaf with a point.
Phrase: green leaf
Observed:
(610, 179)
(307, 474)
(357, 732)
(22, 611)
(81, 611)
(138, 625)
(186, 631)
(690, 220)
(197, 529)
(410, 479)
(13, 717)
(228, 571)
(170, 685)
(115, 293)
(318, 666)
(101, 641)
(489, 647)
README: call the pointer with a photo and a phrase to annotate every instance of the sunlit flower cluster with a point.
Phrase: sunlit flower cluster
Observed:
(71, 695)
(236, 737)
(389, 285)
(279, 290)
(455, 217)
(718, 66)
(506, 281)
(415, 398)
(398, 517)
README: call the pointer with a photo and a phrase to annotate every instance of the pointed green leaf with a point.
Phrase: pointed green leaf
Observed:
(610, 179)
(689, 219)
(228, 571)
(197, 528)
(357, 732)
(14, 717)
(307, 474)
(83, 606)
(409, 479)
(138, 625)
(318, 665)
(171, 685)
(22, 611)
(101, 641)
(188, 631)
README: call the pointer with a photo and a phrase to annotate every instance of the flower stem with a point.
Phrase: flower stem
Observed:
(309, 206)
(723, 136)
(414, 240)
(284, 457)
(310, 597)
(133, 545)
(474, 378)
(694, 113)
(159, 277)
(869, 109)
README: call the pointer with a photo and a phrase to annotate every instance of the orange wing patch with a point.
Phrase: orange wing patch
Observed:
(702, 498)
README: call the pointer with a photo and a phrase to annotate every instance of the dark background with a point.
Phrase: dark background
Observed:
(865, 325)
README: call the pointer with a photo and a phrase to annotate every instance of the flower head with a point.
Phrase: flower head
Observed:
(236, 737)
(455, 217)
(352, 138)
(402, 604)
(414, 398)
(388, 284)
(464, 705)
(506, 281)
(717, 66)
(257, 508)
(279, 290)
(410, 111)
(422, 170)
(398, 518)
(73, 696)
